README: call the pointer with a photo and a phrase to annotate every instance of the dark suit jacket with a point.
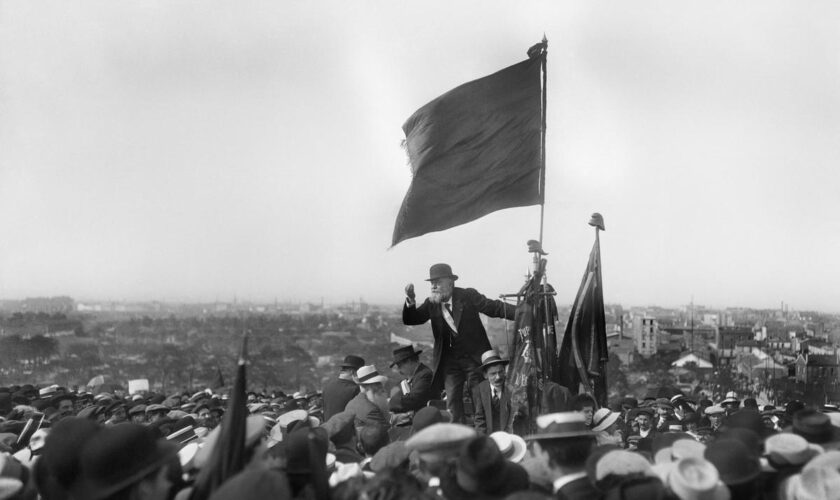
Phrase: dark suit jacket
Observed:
(420, 392)
(483, 418)
(366, 413)
(466, 304)
(337, 393)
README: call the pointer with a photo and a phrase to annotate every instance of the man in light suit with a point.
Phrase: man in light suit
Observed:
(460, 338)
(491, 397)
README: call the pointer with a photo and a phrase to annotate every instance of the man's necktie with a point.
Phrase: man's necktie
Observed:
(495, 397)
(450, 318)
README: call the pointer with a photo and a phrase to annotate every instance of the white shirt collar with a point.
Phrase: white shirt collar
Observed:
(568, 478)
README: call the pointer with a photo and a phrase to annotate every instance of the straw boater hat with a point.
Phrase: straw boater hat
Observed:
(603, 419)
(568, 424)
(490, 358)
(714, 410)
(731, 397)
(438, 271)
(694, 478)
(404, 353)
(368, 375)
(513, 447)
(786, 450)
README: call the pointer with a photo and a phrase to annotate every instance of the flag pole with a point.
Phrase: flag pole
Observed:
(544, 62)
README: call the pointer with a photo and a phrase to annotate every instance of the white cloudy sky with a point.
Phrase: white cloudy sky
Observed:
(194, 150)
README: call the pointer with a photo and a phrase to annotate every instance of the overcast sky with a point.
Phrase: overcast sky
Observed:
(186, 150)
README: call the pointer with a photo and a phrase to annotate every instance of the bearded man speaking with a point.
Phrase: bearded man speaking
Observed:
(460, 338)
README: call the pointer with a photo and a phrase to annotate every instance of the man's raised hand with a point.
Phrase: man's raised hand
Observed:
(409, 291)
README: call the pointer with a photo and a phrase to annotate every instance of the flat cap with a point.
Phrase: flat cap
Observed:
(440, 440)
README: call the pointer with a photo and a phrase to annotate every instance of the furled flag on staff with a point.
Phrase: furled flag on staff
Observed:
(219, 380)
(583, 352)
(474, 150)
(228, 455)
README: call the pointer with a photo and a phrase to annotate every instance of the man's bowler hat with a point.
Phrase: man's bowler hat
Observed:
(438, 271)
(403, 354)
(119, 456)
(354, 362)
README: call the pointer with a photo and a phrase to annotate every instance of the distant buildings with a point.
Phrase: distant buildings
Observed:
(646, 335)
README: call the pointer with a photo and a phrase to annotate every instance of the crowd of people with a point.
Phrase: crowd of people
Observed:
(62, 444)
(447, 431)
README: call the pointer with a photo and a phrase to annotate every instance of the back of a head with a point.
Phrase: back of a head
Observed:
(254, 483)
(59, 465)
(479, 463)
(372, 438)
(569, 452)
(581, 401)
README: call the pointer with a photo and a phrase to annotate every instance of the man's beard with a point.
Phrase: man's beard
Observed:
(438, 297)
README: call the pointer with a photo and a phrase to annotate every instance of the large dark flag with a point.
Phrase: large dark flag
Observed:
(474, 150)
(228, 455)
(583, 353)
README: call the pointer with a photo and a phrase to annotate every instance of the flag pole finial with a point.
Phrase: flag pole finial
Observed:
(597, 220)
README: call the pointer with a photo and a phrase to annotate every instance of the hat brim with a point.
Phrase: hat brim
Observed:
(453, 276)
(558, 435)
(607, 422)
(520, 448)
(497, 362)
(379, 379)
(405, 358)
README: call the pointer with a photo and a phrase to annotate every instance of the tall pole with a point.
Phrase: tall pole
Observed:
(542, 135)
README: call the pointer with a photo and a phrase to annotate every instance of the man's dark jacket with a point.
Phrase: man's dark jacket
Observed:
(483, 400)
(420, 392)
(337, 393)
(466, 304)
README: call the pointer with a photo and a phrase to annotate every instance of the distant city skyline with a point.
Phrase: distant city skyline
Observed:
(165, 150)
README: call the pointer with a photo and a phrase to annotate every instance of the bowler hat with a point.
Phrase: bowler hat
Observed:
(735, 462)
(815, 427)
(118, 456)
(404, 353)
(438, 271)
(354, 362)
